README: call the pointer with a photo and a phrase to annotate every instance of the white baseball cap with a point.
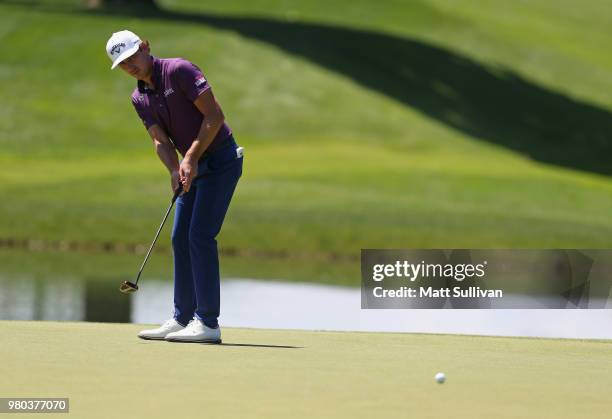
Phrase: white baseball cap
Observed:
(122, 45)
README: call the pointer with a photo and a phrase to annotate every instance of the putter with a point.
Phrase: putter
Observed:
(128, 287)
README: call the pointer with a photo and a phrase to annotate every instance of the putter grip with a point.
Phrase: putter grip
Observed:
(177, 192)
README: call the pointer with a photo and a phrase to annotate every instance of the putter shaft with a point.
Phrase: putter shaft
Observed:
(174, 198)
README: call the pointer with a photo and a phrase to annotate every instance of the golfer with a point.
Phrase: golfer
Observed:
(177, 107)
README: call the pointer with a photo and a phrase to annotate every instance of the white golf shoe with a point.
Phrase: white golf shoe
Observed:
(160, 333)
(196, 331)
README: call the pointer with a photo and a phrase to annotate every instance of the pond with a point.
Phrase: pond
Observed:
(281, 305)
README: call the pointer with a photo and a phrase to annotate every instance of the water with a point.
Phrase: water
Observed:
(282, 305)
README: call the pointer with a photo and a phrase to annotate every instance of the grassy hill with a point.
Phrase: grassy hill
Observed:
(395, 124)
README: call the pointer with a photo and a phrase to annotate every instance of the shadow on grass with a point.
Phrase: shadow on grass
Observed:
(253, 345)
(250, 345)
(491, 104)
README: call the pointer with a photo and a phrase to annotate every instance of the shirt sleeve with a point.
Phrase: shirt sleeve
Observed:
(145, 115)
(190, 79)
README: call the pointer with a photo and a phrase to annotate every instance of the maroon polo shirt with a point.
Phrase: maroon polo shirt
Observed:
(178, 83)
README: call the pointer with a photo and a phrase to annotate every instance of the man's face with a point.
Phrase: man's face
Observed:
(138, 65)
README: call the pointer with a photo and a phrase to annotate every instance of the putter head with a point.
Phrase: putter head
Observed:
(128, 287)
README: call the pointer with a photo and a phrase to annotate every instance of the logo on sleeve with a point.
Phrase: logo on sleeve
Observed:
(168, 92)
(200, 81)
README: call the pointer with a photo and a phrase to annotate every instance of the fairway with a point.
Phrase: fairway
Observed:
(107, 372)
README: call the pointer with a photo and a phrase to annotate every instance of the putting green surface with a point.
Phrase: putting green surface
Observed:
(106, 371)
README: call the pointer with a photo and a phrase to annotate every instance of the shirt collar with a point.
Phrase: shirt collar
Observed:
(142, 86)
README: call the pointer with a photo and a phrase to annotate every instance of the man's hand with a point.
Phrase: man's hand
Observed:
(175, 180)
(187, 171)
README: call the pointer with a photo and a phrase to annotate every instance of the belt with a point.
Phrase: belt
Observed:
(225, 143)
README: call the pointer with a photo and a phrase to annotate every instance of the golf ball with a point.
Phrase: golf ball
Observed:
(440, 377)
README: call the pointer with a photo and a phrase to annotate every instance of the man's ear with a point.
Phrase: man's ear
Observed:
(145, 46)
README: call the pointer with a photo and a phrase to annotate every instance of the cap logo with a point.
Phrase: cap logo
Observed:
(116, 49)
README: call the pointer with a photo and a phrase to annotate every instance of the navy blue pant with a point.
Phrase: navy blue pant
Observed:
(197, 221)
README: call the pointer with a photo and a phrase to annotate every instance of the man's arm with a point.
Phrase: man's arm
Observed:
(166, 152)
(213, 120)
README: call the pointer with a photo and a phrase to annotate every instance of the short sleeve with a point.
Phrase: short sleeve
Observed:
(145, 115)
(190, 79)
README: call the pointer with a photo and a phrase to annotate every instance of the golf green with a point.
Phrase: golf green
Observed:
(106, 371)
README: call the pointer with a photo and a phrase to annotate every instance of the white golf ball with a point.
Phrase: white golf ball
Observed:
(440, 377)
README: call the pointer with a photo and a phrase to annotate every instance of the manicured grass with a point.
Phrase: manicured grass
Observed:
(458, 124)
(107, 372)
(326, 198)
